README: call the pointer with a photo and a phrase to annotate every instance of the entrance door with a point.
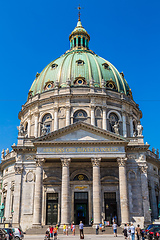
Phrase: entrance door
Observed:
(110, 206)
(52, 208)
(81, 207)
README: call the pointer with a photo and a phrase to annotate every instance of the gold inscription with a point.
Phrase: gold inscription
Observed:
(81, 188)
(80, 149)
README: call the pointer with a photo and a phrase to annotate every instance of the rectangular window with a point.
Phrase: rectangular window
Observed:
(74, 42)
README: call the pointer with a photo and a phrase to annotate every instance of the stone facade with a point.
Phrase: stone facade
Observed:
(80, 154)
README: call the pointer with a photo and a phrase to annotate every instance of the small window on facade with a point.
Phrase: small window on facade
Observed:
(79, 41)
(74, 42)
(79, 115)
(83, 42)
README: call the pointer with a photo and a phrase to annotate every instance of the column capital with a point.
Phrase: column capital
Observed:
(18, 169)
(143, 168)
(122, 162)
(95, 162)
(39, 161)
(56, 108)
(65, 162)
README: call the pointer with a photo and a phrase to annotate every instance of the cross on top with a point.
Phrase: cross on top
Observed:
(79, 13)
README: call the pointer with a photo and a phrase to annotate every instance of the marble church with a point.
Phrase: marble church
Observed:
(80, 151)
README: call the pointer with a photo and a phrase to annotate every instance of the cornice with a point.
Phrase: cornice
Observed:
(79, 143)
(135, 148)
(5, 163)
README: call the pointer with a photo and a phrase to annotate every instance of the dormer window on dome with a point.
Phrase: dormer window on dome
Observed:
(49, 85)
(111, 85)
(54, 66)
(80, 81)
(80, 62)
(106, 66)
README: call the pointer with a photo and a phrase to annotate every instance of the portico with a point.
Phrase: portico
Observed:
(80, 164)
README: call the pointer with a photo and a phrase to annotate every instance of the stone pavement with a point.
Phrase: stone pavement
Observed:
(87, 237)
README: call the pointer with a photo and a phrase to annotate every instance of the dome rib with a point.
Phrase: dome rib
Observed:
(89, 67)
(99, 70)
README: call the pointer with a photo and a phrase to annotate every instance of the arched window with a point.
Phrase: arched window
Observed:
(74, 42)
(83, 41)
(79, 115)
(46, 123)
(98, 117)
(113, 118)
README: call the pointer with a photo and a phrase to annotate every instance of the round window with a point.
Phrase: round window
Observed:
(80, 81)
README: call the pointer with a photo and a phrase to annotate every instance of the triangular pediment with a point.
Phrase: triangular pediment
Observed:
(80, 132)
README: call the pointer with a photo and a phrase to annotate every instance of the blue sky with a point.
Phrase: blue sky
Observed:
(33, 33)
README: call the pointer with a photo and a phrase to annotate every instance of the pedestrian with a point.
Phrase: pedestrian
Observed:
(51, 232)
(132, 228)
(97, 229)
(92, 221)
(114, 227)
(138, 231)
(64, 228)
(81, 230)
(142, 234)
(125, 231)
(73, 229)
(128, 232)
(55, 233)
(100, 227)
(67, 230)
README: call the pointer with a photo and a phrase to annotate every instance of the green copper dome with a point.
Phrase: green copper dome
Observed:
(81, 67)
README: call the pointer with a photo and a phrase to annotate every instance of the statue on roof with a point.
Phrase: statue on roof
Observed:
(116, 128)
(139, 129)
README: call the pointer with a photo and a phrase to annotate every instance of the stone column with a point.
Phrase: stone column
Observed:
(145, 193)
(96, 190)
(38, 194)
(67, 116)
(65, 211)
(124, 124)
(92, 116)
(131, 126)
(55, 118)
(17, 194)
(36, 125)
(123, 190)
(104, 119)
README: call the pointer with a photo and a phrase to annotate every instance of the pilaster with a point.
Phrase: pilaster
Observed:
(17, 194)
(145, 193)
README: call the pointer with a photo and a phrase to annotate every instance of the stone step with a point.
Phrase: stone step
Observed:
(87, 230)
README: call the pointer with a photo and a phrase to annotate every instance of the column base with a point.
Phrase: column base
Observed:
(36, 225)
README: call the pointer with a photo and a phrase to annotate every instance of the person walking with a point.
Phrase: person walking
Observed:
(66, 230)
(132, 228)
(55, 232)
(138, 231)
(114, 227)
(97, 229)
(125, 231)
(73, 229)
(51, 232)
(81, 230)
(128, 232)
